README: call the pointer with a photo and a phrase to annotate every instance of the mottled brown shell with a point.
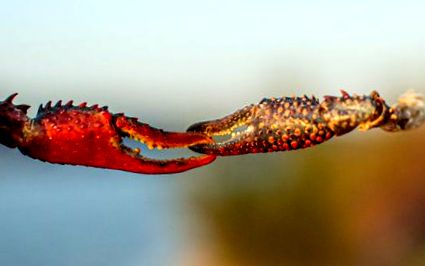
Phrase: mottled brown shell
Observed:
(290, 123)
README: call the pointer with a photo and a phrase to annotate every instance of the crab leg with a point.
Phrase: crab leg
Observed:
(291, 123)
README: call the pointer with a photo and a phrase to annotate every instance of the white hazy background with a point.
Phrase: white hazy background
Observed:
(171, 63)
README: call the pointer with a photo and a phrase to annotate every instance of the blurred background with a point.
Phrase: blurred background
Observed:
(356, 200)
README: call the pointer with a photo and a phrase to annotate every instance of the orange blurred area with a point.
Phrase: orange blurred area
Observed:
(357, 200)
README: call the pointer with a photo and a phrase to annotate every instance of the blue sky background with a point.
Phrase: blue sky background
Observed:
(171, 63)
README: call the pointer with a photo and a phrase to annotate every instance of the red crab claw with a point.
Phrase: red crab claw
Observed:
(157, 138)
(92, 136)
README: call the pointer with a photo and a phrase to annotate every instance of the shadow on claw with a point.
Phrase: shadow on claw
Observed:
(92, 136)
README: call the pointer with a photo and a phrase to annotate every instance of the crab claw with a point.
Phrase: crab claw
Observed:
(235, 134)
(133, 161)
(276, 124)
(92, 136)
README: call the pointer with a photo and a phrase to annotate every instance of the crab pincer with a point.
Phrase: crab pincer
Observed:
(93, 136)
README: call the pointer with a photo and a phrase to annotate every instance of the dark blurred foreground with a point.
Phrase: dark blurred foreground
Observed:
(356, 200)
